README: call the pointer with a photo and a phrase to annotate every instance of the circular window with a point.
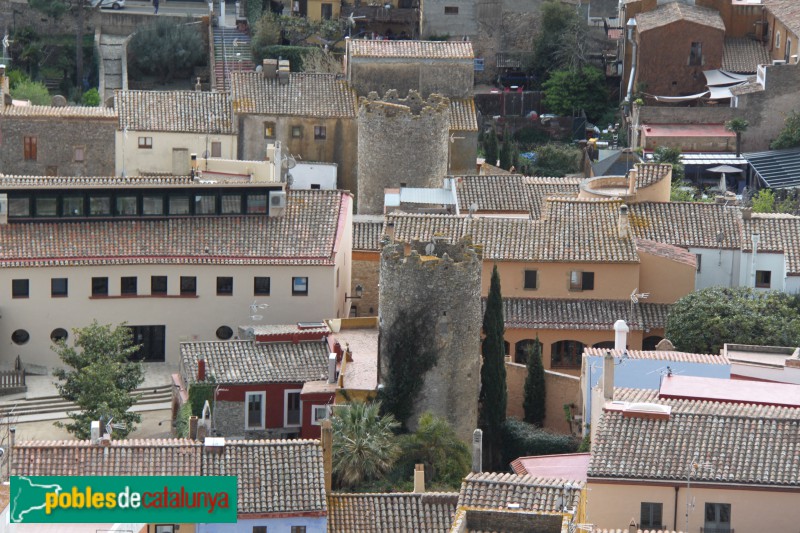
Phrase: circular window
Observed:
(58, 334)
(20, 336)
(224, 333)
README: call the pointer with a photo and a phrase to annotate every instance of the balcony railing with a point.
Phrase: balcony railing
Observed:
(716, 529)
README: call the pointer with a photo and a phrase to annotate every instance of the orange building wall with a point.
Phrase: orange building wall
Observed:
(667, 281)
(559, 390)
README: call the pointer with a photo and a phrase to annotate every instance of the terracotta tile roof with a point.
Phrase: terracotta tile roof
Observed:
(677, 11)
(308, 332)
(740, 443)
(779, 233)
(498, 490)
(367, 232)
(787, 11)
(569, 231)
(428, 512)
(743, 55)
(46, 111)
(658, 355)
(686, 224)
(412, 49)
(306, 95)
(648, 174)
(175, 111)
(462, 115)
(512, 192)
(244, 361)
(547, 313)
(274, 476)
(304, 235)
(85, 182)
(667, 251)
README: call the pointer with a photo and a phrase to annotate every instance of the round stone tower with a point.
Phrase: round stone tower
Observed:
(401, 142)
(441, 283)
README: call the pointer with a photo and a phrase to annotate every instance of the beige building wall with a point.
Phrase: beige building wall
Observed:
(366, 272)
(135, 161)
(667, 281)
(315, 9)
(778, 44)
(185, 318)
(613, 505)
(560, 389)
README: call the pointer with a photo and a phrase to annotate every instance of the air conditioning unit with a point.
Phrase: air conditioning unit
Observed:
(778, 61)
(277, 203)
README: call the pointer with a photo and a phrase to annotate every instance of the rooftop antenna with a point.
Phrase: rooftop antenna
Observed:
(351, 21)
(473, 207)
(635, 297)
(720, 239)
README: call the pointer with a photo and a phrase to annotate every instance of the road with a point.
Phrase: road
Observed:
(197, 9)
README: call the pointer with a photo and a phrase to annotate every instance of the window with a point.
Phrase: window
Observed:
(224, 286)
(178, 205)
(327, 11)
(20, 337)
(581, 281)
(777, 46)
(19, 288)
(58, 334)
(523, 349)
(566, 354)
(269, 130)
(319, 413)
(152, 205)
(298, 529)
(224, 333)
(259, 529)
(337, 277)
(216, 149)
(158, 285)
(651, 516)
(254, 413)
(19, 207)
(763, 278)
(80, 154)
(451, 10)
(231, 204)
(126, 205)
(30, 148)
(127, 285)
(297, 132)
(530, 279)
(151, 341)
(188, 285)
(46, 207)
(699, 261)
(72, 206)
(260, 286)
(205, 204)
(165, 528)
(100, 205)
(58, 287)
(291, 408)
(145, 142)
(718, 518)
(99, 286)
(299, 286)
(696, 54)
(256, 203)
(320, 132)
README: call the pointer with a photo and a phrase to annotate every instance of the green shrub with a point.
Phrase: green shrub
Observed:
(295, 54)
(198, 394)
(182, 421)
(15, 77)
(254, 10)
(530, 135)
(91, 98)
(521, 439)
(31, 90)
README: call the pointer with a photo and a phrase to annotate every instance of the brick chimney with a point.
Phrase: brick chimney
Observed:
(192, 427)
(326, 439)
(201, 370)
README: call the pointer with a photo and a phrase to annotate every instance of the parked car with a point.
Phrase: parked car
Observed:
(107, 4)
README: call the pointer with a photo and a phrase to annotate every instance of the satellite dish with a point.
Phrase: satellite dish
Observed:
(205, 154)
(259, 69)
(429, 248)
(288, 162)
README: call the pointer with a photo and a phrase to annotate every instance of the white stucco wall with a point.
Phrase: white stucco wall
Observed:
(718, 268)
(136, 161)
(772, 262)
(321, 174)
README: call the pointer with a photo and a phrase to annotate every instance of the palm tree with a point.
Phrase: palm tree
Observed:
(446, 458)
(737, 126)
(364, 444)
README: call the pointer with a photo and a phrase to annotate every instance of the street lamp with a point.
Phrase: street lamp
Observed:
(356, 295)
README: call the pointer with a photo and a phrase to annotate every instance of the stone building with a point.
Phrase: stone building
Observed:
(367, 231)
(57, 141)
(402, 142)
(444, 281)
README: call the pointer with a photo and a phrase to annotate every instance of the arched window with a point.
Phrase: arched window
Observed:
(523, 348)
(566, 354)
(608, 345)
(649, 343)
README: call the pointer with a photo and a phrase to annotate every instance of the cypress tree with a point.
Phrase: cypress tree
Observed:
(534, 387)
(493, 395)
(490, 147)
(506, 152)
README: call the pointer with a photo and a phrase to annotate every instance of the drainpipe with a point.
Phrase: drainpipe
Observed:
(755, 238)
(631, 25)
(675, 517)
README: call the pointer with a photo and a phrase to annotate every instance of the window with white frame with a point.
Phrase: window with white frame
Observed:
(319, 413)
(777, 39)
(292, 408)
(254, 410)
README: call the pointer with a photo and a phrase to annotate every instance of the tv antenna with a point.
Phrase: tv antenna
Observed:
(473, 207)
(351, 21)
(110, 426)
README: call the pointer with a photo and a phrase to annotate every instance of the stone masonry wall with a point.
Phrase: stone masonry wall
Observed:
(56, 141)
(228, 420)
(365, 272)
(449, 77)
(400, 141)
(446, 285)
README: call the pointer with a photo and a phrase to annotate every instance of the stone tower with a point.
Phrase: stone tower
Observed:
(441, 282)
(401, 142)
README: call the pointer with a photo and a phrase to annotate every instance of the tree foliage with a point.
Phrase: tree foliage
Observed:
(738, 126)
(506, 152)
(776, 201)
(100, 378)
(534, 401)
(556, 21)
(703, 321)
(789, 137)
(671, 156)
(556, 160)
(490, 147)
(273, 29)
(568, 91)
(166, 48)
(364, 444)
(91, 98)
(521, 439)
(764, 201)
(410, 354)
(446, 458)
(31, 90)
(493, 395)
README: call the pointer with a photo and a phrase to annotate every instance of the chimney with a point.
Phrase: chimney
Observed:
(477, 451)
(632, 175)
(269, 69)
(283, 71)
(95, 431)
(3, 209)
(331, 368)
(419, 478)
(747, 213)
(201, 370)
(198, 86)
(608, 377)
(192, 427)
(215, 445)
(623, 225)
(326, 439)
(621, 330)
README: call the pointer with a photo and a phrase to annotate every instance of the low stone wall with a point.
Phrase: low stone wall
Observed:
(228, 421)
(561, 389)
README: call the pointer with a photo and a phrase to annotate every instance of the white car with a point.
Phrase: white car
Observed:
(107, 4)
